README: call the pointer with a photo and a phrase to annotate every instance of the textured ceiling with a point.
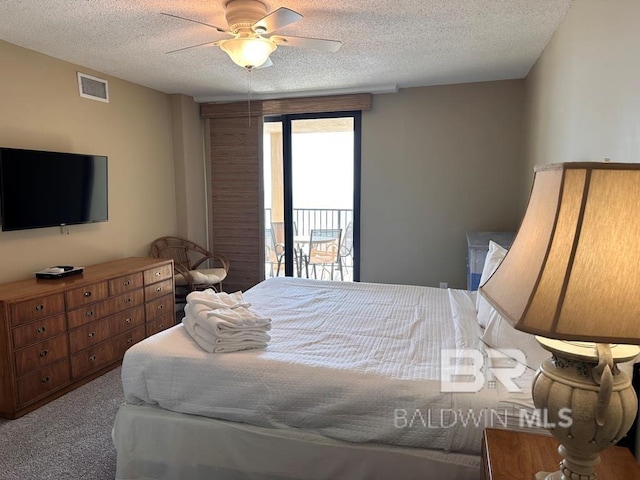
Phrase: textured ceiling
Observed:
(386, 44)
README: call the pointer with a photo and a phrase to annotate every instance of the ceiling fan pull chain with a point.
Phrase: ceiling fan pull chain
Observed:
(249, 70)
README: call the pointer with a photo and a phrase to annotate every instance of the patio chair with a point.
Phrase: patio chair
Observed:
(273, 251)
(188, 258)
(277, 230)
(346, 249)
(278, 238)
(323, 251)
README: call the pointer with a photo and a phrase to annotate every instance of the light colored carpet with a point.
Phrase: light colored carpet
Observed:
(69, 438)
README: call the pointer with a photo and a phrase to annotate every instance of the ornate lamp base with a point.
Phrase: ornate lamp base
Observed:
(580, 467)
(549, 476)
(589, 403)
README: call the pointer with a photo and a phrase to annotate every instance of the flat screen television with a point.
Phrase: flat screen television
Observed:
(47, 189)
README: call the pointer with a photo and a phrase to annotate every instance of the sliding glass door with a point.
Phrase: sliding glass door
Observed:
(312, 195)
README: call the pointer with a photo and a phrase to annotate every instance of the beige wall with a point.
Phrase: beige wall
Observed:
(583, 94)
(438, 162)
(189, 168)
(41, 109)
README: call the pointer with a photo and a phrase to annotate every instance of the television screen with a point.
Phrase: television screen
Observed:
(47, 189)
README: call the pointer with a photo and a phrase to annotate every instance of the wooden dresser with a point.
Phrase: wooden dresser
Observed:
(59, 334)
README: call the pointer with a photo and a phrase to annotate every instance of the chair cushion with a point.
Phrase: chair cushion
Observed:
(204, 276)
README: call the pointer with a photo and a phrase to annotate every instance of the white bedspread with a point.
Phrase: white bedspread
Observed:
(352, 361)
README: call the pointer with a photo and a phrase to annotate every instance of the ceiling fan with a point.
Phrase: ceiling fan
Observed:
(249, 24)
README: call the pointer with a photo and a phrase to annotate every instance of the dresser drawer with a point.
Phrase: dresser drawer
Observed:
(158, 289)
(160, 324)
(92, 358)
(121, 302)
(127, 320)
(125, 283)
(39, 383)
(125, 340)
(87, 294)
(158, 273)
(29, 310)
(41, 354)
(159, 307)
(89, 334)
(39, 330)
(80, 316)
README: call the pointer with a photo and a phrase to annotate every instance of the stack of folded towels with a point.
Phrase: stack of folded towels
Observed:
(224, 322)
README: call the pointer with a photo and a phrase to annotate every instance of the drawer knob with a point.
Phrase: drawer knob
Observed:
(41, 330)
(91, 334)
(87, 294)
(45, 379)
(38, 308)
(160, 307)
(127, 320)
(129, 341)
(161, 326)
(92, 358)
(127, 300)
(44, 353)
(157, 274)
(159, 289)
(126, 283)
(89, 313)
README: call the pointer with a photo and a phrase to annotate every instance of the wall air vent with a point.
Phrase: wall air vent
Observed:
(93, 87)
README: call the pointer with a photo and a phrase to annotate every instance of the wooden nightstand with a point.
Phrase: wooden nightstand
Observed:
(510, 455)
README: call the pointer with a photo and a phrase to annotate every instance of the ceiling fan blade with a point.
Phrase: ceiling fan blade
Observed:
(305, 42)
(222, 30)
(266, 64)
(215, 42)
(277, 19)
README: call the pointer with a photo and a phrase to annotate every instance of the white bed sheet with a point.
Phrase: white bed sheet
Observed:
(153, 443)
(355, 362)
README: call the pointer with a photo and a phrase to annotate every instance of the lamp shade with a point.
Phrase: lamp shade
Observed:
(573, 271)
(248, 52)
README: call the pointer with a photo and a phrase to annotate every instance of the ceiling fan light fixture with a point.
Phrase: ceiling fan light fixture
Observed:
(249, 52)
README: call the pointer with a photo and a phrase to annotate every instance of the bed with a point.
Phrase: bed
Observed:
(349, 387)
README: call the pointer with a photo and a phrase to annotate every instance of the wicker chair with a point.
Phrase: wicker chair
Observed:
(187, 258)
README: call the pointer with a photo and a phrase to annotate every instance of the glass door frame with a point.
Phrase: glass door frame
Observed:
(286, 121)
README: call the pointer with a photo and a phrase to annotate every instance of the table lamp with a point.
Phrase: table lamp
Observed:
(572, 278)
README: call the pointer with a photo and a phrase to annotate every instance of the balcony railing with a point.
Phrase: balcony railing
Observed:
(307, 219)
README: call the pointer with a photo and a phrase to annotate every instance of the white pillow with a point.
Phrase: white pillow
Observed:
(500, 335)
(493, 259)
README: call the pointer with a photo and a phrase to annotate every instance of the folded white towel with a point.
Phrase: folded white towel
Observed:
(227, 347)
(223, 322)
(220, 321)
(230, 337)
(213, 299)
(238, 318)
(197, 310)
